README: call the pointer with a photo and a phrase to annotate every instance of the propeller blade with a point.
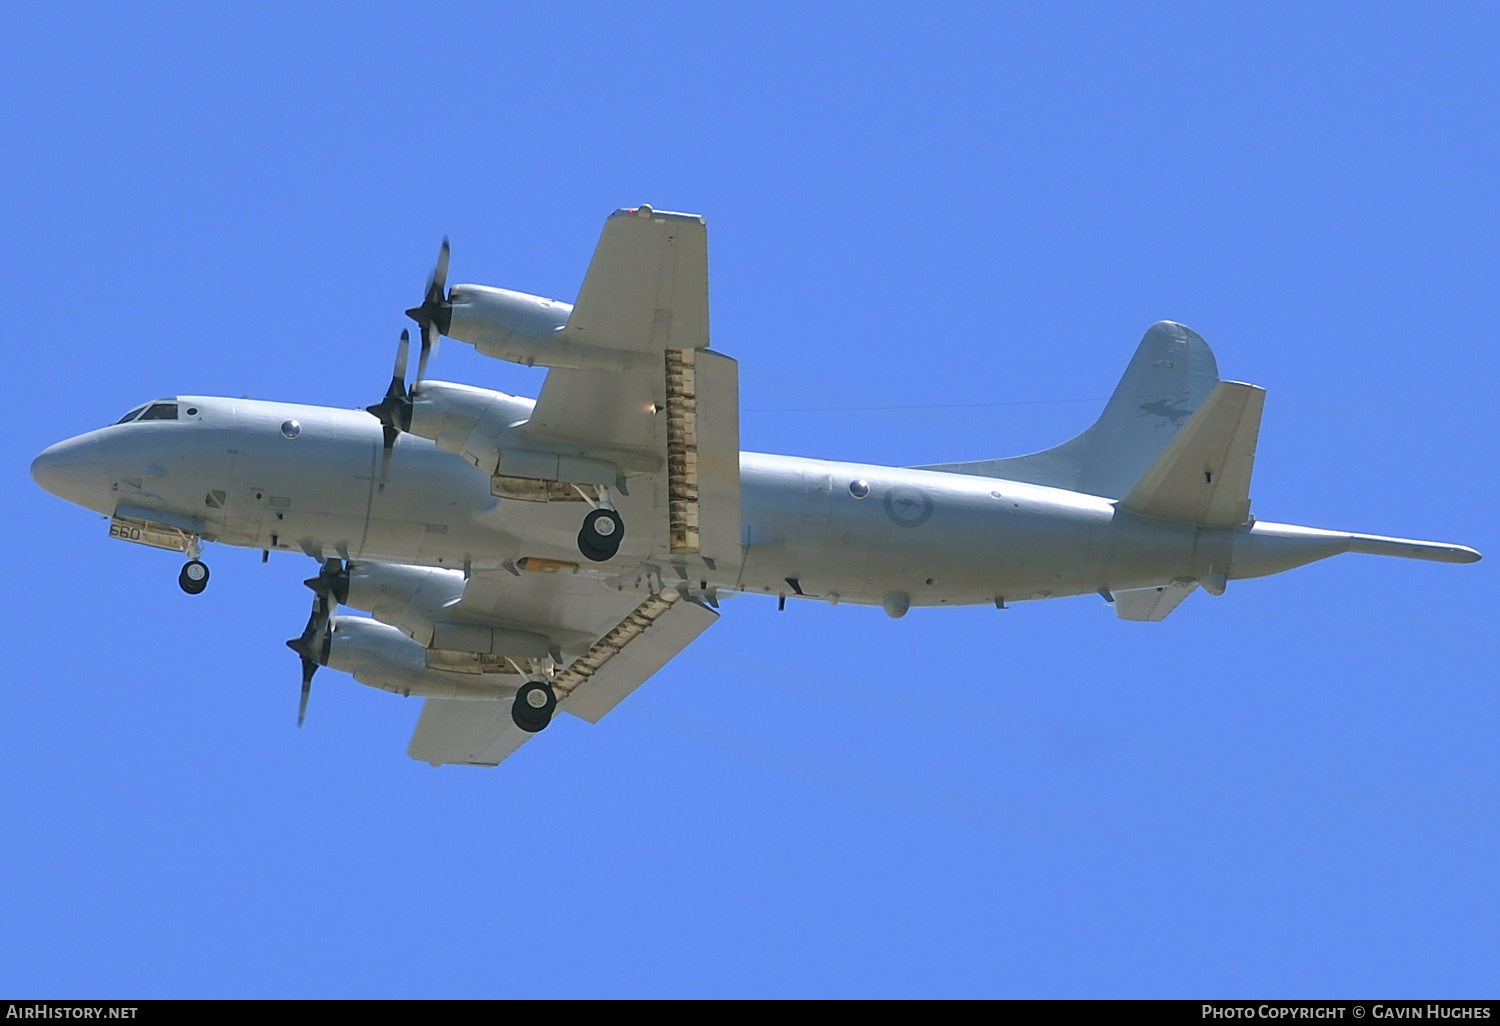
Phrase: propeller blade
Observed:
(437, 285)
(435, 311)
(312, 646)
(429, 343)
(394, 411)
(332, 582)
(308, 669)
(307, 646)
(399, 375)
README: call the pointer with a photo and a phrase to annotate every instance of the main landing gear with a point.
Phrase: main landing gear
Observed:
(194, 577)
(533, 707)
(600, 538)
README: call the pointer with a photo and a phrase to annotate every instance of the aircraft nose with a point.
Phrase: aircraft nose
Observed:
(75, 470)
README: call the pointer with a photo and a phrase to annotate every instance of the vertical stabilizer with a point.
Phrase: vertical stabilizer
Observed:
(1172, 372)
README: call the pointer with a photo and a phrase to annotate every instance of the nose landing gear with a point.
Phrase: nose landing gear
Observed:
(194, 577)
(600, 538)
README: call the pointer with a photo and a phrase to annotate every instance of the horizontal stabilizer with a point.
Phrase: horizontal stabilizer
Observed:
(1203, 475)
(1151, 605)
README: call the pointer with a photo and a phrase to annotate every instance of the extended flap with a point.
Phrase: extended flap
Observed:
(703, 454)
(627, 656)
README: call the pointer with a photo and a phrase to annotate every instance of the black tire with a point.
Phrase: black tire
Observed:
(528, 716)
(194, 577)
(600, 538)
(590, 553)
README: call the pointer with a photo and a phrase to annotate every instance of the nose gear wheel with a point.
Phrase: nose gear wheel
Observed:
(194, 577)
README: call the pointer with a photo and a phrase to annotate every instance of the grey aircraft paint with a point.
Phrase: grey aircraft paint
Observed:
(941, 538)
(556, 553)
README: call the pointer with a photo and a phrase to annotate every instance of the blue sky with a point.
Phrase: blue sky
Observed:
(935, 234)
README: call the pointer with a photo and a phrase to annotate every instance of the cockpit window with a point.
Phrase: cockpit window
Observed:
(131, 415)
(160, 411)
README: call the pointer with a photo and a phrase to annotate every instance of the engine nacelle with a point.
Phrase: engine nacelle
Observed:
(504, 324)
(484, 428)
(381, 656)
(411, 598)
(528, 330)
(499, 641)
(472, 422)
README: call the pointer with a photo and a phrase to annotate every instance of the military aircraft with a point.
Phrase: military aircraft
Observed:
(518, 557)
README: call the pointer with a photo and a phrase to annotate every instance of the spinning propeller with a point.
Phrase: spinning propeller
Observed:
(394, 411)
(433, 317)
(435, 313)
(330, 588)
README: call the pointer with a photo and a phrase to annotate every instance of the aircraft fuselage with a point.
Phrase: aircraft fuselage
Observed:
(292, 478)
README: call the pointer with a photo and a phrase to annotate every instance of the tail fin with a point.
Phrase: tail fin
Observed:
(1172, 372)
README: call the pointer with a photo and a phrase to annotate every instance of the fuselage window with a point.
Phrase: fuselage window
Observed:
(130, 416)
(161, 411)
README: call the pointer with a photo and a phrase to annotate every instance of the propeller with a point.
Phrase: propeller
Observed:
(433, 317)
(330, 588)
(394, 411)
(435, 313)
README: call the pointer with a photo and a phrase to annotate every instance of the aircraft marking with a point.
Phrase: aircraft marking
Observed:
(908, 506)
(1170, 412)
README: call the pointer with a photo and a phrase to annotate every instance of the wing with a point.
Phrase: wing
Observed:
(633, 398)
(646, 290)
(465, 733)
(610, 637)
(633, 402)
(673, 413)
